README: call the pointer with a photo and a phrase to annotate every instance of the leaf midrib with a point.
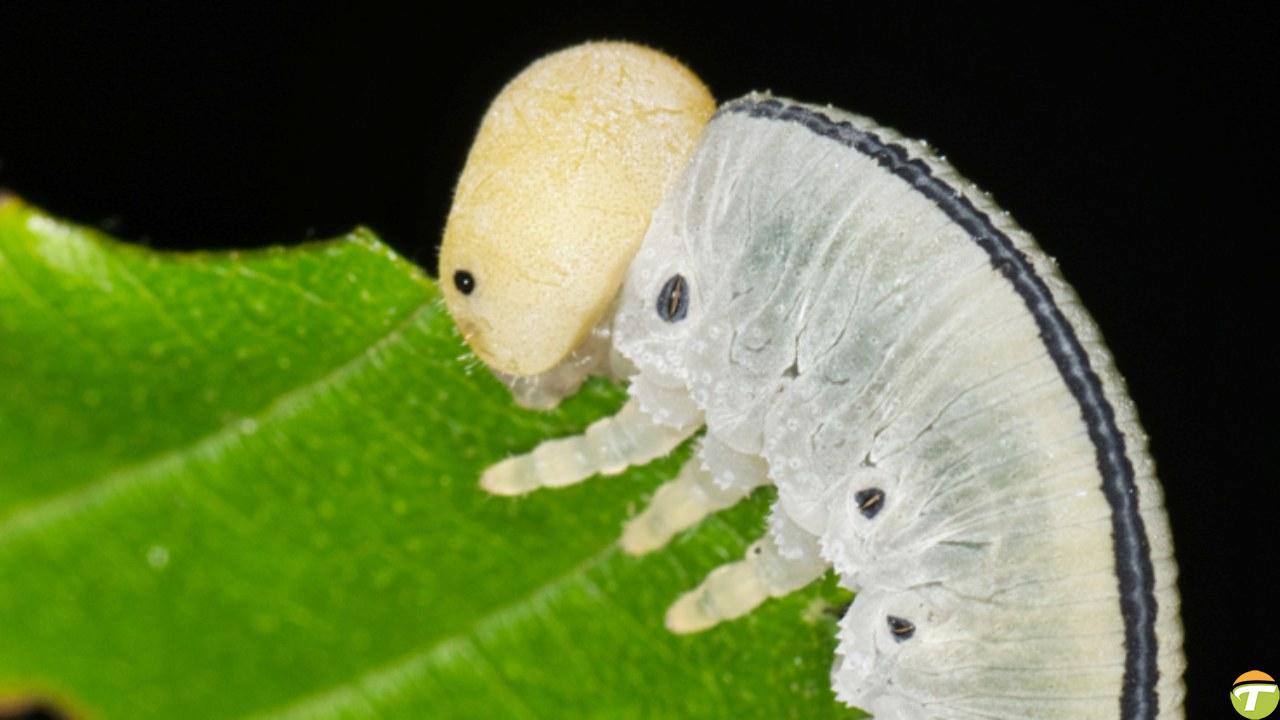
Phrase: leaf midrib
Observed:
(46, 510)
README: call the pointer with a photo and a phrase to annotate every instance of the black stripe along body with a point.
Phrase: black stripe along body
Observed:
(1133, 559)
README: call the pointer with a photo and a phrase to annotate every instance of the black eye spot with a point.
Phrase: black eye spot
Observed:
(869, 501)
(901, 629)
(464, 281)
(673, 299)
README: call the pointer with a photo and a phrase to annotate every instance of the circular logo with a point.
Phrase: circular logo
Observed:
(1255, 695)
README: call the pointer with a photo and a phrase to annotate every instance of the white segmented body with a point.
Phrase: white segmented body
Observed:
(845, 328)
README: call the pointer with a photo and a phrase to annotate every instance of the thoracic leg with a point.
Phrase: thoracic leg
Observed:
(693, 495)
(608, 447)
(734, 590)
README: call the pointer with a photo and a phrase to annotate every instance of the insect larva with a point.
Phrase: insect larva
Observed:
(854, 323)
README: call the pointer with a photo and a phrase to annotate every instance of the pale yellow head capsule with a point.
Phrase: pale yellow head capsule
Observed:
(571, 160)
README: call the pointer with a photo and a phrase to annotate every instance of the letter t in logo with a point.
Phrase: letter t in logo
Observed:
(1252, 691)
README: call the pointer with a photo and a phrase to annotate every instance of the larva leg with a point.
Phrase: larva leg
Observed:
(684, 501)
(734, 590)
(608, 447)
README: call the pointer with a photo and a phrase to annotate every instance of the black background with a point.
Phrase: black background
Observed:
(1137, 148)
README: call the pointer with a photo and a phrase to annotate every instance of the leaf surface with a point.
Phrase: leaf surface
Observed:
(244, 485)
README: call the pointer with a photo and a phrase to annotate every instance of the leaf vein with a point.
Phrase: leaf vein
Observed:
(97, 491)
(399, 673)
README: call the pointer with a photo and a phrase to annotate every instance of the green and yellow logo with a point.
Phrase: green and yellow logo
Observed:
(1255, 695)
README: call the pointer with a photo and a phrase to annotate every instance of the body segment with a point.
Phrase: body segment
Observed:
(850, 329)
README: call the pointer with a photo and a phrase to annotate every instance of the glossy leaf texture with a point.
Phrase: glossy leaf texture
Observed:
(243, 485)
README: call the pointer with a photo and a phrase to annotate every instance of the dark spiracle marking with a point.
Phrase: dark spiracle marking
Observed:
(673, 299)
(870, 501)
(464, 281)
(901, 629)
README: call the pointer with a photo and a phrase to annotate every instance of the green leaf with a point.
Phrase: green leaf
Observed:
(244, 485)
